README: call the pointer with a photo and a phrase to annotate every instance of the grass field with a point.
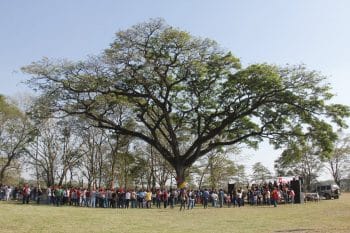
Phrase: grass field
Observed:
(325, 216)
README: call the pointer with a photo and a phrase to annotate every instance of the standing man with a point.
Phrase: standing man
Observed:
(205, 198)
(275, 196)
(165, 198)
(221, 198)
(26, 194)
(191, 198)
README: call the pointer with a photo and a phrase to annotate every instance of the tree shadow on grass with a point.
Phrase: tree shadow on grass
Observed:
(296, 230)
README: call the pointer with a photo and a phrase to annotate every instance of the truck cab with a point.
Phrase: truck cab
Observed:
(328, 191)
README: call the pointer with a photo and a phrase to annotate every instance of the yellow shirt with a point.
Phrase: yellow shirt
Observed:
(149, 196)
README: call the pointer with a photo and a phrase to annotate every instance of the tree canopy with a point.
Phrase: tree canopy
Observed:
(15, 134)
(187, 96)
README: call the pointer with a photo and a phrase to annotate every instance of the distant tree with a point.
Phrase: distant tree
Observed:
(302, 159)
(260, 172)
(285, 168)
(216, 169)
(241, 176)
(339, 162)
(221, 170)
(16, 132)
(94, 149)
(187, 95)
(158, 171)
(118, 161)
(55, 150)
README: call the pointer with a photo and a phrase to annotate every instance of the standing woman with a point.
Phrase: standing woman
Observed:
(148, 199)
(183, 199)
(40, 192)
(158, 198)
(133, 198)
(127, 199)
(171, 198)
(25, 194)
(165, 198)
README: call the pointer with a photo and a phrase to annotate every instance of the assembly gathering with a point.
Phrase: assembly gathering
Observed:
(263, 194)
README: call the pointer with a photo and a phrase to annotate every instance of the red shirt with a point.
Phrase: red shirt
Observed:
(275, 194)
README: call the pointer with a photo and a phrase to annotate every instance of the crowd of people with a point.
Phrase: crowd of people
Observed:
(255, 195)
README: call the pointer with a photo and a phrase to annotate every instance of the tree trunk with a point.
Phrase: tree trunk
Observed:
(153, 175)
(202, 176)
(64, 173)
(3, 169)
(180, 175)
(2, 174)
(49, 182)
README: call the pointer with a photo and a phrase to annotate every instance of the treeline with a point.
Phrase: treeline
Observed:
(71, 151)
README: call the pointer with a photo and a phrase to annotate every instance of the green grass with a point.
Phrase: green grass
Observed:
(325, 216)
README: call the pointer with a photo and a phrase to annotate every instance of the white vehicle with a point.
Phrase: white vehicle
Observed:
(328, 191)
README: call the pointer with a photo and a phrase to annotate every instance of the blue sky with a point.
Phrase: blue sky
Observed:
(313, 32)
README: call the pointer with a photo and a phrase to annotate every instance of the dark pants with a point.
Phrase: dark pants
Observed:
(158, 203)
(58, 200)
(205, 202)
(38, 200)
(183, 204)
(25, 199)
(140, 200)
(127, 202)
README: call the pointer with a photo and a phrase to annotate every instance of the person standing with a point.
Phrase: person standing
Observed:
(214, 198)
(158, 198)
(39, 194)
(148, 199)
(191, 198)
(292, 196)
(15, 193)
(183, 199)
(221, 198)
(239, 196)
(25, 194)
(58, 195)
(133, 198)
(275, 196)
(93, 198)
(165, 198)
(267, 197)
(127, 199)
(8, 191)
(171, 198)
(205, 198)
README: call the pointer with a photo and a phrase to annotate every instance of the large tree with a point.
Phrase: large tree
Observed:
(187, 95)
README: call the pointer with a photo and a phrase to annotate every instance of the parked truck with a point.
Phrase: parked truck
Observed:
(328, 191)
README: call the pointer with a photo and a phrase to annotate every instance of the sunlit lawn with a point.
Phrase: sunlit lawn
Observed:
(325, 216)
